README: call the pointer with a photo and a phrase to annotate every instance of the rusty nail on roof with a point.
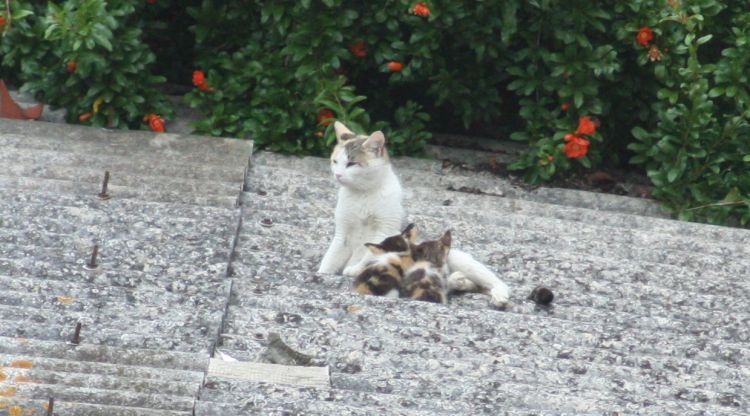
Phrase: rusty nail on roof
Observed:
(103, 194)
(50, 406)
(266, 222)
(77, 335)
(92, 262)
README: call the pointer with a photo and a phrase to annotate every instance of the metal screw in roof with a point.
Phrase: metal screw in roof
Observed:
(77, 335)
(92, 262)
(266, 222)
(50, 406)
(103, 194)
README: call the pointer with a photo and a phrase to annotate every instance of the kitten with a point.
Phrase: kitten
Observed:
(383, 274)
(369, 200)
(426, 279)
(369, 208)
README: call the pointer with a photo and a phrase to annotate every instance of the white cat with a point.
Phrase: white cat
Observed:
(369, 205)
(369, 209)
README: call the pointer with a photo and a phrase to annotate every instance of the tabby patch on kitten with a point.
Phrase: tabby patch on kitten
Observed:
(383, 273)
(426, 279)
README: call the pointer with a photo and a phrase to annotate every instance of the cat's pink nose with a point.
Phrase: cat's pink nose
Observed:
(338, 176)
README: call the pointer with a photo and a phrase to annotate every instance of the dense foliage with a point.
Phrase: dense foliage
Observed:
(86, 56)
(660, 85)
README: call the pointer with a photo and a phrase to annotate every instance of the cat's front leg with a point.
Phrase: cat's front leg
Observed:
(336, 257)
(458, 261)
(359, 267)
(361, 256)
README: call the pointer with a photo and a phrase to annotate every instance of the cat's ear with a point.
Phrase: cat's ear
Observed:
(410, 233)
(375, 248)
(342, 132)
(445, 240)
(376, 143)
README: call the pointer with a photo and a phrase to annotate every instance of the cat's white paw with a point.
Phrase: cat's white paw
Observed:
(458, 282)
(500, 297)
(325, 270)
(352, 271)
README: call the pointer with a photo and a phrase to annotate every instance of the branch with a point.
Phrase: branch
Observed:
(7, 12)
(717, 204)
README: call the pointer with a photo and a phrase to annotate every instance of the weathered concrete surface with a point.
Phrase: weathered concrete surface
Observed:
(433, 174)
(151, 309)
(650, 315)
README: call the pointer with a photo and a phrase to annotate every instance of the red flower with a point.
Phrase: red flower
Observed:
(421, 9)
(71, 66)
(326, 117)
(565, 106)
(586, 126)
(150, 1)
(576, 146)
(199, 80)
(155, 122)
(358, 49)
(85, 116)
(2, 21)
(395, 66)
(198, 77)
(645, 36)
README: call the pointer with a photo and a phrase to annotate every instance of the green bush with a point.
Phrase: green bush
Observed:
(659, 85)
(274, 67)
(697, 148)
(87, 57)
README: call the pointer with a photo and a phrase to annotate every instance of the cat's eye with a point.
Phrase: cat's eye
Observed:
(351, 164)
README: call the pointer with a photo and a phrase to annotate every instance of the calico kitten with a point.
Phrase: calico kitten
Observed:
(383, 274)
(369, 200)
(426, 279)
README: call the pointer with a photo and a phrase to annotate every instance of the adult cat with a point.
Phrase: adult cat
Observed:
(369, 209)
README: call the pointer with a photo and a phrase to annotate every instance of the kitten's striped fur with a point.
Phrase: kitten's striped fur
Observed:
(383, 274)
(426, 278)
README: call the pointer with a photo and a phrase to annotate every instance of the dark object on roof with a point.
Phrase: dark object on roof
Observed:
(541, 295)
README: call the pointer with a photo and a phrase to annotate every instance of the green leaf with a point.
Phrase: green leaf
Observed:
(673, 173)
(716, 92)
(20, 14)
(732, 197)
(578, 99)
(639, 133)
(704, 39)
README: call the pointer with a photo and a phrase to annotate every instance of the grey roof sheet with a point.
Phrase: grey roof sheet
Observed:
(650, 315)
